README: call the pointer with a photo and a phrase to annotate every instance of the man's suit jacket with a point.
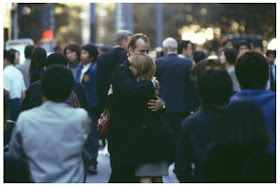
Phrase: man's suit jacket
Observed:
(173, 74)
(106, 64)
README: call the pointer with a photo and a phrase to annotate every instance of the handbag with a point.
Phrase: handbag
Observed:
(103, 123)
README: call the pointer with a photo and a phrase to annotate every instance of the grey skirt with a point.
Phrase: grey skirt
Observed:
(152, 169)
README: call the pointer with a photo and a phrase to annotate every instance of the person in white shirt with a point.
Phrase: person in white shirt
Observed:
(13, 84)
(51, 137)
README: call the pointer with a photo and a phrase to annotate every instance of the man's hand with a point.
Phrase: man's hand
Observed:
(155, 105)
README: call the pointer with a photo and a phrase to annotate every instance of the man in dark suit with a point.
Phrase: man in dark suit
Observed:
(173, 74)
(107, 63)
(125, 91)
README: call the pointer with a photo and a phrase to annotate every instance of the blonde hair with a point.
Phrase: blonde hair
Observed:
(143, 67)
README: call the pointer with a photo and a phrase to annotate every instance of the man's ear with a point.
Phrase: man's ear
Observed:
(130, 50)
(44, 99)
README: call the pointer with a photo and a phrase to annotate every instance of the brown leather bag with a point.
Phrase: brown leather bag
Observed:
(103, 123)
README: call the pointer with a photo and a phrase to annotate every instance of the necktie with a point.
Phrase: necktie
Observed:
(79, 73)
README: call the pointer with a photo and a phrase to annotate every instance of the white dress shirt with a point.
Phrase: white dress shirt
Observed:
(13, 81)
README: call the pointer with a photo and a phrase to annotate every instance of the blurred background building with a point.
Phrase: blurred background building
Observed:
(207, 25)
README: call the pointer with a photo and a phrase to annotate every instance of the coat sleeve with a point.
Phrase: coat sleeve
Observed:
(127, 86)
(183, 156)
(16, 148)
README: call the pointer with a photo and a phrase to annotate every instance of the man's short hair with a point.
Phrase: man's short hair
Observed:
(170, 43)
(183, 44)
(214, 87)
(270, 52)
(244, 43)
(197, 55)
(122, 35)
(57, 83)
(92, 50)
(75, 48)
(10, 56)
(56, 59)
(28, 51)
(135, 37)
(230, 55)
(252, 70)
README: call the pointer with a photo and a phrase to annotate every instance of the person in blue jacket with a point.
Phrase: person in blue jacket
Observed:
(86, 74)
(252, 72)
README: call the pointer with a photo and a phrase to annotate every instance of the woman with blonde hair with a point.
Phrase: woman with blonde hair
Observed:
(151, 149)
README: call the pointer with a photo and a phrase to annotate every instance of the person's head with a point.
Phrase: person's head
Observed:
(138, 44)
(122, 38)
(204, 65)
(143, 67)
(56, 83)
(242, 125)
(252, 70)
(38, 58)
(214, 87)
(228, 56)
(185, 48)
(102, 48)
(72, 52)
(244, 46)
(271, 55)
(169, 45)
(17, 54)
(89, 54)
(9, 58)
(228, 44)
(28, 51)
(198, 56)
(56, 59)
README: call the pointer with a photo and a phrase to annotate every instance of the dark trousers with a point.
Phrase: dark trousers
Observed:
(122, 172)
(173, 122)
(92, 145)
(15, 105)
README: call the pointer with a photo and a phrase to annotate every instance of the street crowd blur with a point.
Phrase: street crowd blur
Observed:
(214, 117)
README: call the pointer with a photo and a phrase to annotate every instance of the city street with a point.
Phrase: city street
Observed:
(104, 170)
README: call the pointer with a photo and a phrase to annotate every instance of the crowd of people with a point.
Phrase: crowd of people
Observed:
(215, 118)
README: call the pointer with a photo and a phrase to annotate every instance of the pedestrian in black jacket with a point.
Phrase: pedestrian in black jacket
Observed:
(125, 112)
(242, 150)
(214, 89)
(106, 64)
(173, 74)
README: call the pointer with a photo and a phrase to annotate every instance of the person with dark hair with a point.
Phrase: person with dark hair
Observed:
(87, 75)
(228, 59)
(37, 63)
(72, 52)
(33, 96)
(252, 73)
(199, 56)
(106, 64)
(24, 67)
(185, 50)
(241, 151)
(214, 89)
(271, 56)
(17, 56)
(13, 84)
(56, 131)
(243, 46)
(229, 44)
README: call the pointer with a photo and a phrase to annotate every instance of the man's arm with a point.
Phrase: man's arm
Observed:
(16, 148)
(156, 105)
